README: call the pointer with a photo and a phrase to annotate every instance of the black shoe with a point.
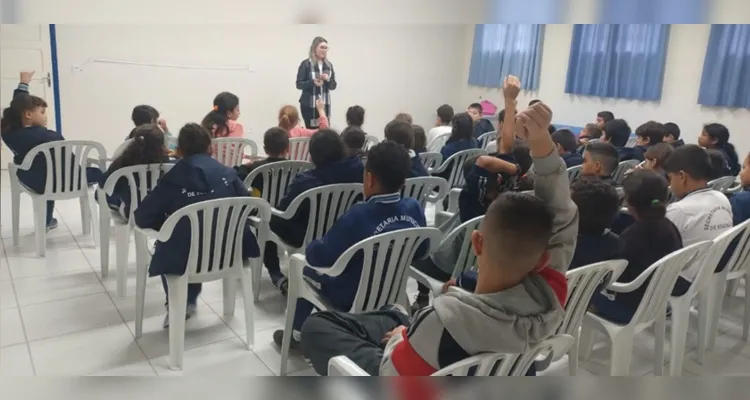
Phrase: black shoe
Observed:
(282, 283)
(52, 224)
(422, 301)
(278, 337)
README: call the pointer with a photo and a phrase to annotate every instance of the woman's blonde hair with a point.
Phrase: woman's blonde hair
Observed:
(315, 43)
(288, 117)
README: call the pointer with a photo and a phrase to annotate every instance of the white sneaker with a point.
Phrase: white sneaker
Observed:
(191, 310)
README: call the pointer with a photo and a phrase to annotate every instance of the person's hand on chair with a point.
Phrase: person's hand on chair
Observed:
(448, 285)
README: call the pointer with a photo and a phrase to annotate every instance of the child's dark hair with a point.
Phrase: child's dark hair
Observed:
(147, 147)
(566, 139)
(326, 147)
(659, 153)
(476, 106)
(275, 141)
(404, 117)
(193, 139)
(653, 131)
(595, 132)
(445, 114)
(355, 116)
(606, 154)
(551, 129)
(522, 155)
(597, 203)
(691, 159)
(13, 115)
(606, 116)
(389, 162)
(719, 164)
(518, 227)
(720, 133)
(144, 114)
(354, 138)
(646, 194)
(400, 132)
(216, 121)
(420, 137)
(671, 129)
(618, 132)
(462, 127)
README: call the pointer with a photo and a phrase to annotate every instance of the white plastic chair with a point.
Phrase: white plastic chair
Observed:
(387, 268)
(431, 160)
(622, 168)
(425, 188)
(65, 181)
(486, 138)
(631, 141)
(231, 151)
(441, 216)
(574, 173)
(486, 364)
(680, 305)
(722, 184)
(276, 178)
(455, 164)
(230, 216)
(370, 141)
(438, 142)
(466, 260)
(121, 149)
(582, 283)
(147, 176)
(663, 274)
(299, 149)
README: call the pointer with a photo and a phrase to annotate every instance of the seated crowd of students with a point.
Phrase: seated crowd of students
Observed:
(524, 245)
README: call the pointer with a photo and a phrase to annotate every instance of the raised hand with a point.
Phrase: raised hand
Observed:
(26, 76)
(511, 87)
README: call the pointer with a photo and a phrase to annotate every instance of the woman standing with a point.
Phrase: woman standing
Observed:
(315, 78)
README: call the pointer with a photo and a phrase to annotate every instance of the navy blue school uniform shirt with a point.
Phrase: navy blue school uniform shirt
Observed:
(482, 126)
(732, 166)
(417, 168)
(377, 215)
(631, 153)
(473, 200)
(453, 147)
(192, 180)
(573, 159)
(678, 143)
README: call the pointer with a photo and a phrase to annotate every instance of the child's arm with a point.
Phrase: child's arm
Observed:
(322, 120)
(511, 88)
(23, 83)
(325, 251)
(152, 212)
(551, 185)
(496, 165)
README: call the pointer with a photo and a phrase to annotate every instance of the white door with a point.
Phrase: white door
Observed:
(25, 47)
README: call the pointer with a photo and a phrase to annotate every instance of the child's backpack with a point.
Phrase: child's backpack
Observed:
(488, 108)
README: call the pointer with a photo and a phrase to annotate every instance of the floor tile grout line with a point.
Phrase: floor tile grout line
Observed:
(18, 309)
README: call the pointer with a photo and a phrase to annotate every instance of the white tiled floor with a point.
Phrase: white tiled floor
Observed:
(59, 317)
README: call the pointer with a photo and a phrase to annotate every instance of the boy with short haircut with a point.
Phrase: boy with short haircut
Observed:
(354, 140)
(332, 166)
(701, 213)
(566, 144)
(355, 117)
(672, 135)
(618, 133)
(402, 133)
(647, 135)
(384, 210)
(420, 139)
(589, 132)
(276, 146)
(524, 247)
(600, 160)
(443, 123)
(481, 125)
(405, 117)
(603, 117)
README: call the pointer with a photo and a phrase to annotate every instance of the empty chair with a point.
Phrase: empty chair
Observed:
(486, 138)
(438, 142)
(299, 149)
(663, 275)
(232, 151)
(66, 162)
(211, 257)
(574, 172)
(622, 169)
(722, 184)
(431, 160)
(425, 188)
(387, 268)
(454, 166)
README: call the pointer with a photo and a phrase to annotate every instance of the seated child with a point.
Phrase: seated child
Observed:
(355, 117)
(617, 132)
(651, 237)
(740, 201)
(672, 135)
(700, 213)
(402, 133)
(404, 117)
(716, 136)
(603, 117)
(481, 125)
(719, 164)
(443, 122)
(647, 135)
(354, 140)
(598, 204)
(523, 248)
(331, 166)
(290, 122)
(196, 177)
(420, 139)
(600, 160)
(462, 136)
(24, 126)
(276, 146)
(147, 147)
(143, 115)
(566, 144)
(384, 210)
(589, 132)
(656, 156)
(221, 122)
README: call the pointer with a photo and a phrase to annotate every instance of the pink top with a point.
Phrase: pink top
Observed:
(236, 130)
(301, 131)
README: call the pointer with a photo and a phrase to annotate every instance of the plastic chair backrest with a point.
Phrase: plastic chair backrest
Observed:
(370, 141)
(456, 165)
(555, 347)
(438, 142)
(141, 180)
(706, 266)
(486, 138)
(121, 148)
(299, 149)
(217, 231)
(386, 258)
(423, 188)
(739, 261)
(623, 168)
(466, 259)
(431, 160)
(66, 162)
(327, 204)
(631, 141)
(722, 184)
(276, 178)
(230, 151)
(574, 173)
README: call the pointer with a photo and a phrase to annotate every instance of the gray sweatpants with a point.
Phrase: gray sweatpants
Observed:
(358, 336)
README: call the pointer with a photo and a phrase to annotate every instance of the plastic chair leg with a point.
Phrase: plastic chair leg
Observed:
(659, 337)
(249, 302)
(40, 226)
(257, 273)
(142, 257)
(229, 293)
(586, 342)
(291, 307)
(85, 214)
(177, 305)
(104, 231)
(15, 195)
(622, 349)
(94, 217)
(573, 357)
(680, 322)
(122, 248)
(716, 293)
(705, 314)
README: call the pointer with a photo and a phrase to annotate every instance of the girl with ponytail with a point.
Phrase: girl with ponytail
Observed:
(716, 136)
(289, 120)
(651, 237)
(221, 121)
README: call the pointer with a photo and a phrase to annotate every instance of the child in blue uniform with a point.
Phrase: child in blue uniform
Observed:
(403, 133)
(195, 178)
(384, 211)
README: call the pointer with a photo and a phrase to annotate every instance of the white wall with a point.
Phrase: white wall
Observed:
(684, 65)
(385, 68)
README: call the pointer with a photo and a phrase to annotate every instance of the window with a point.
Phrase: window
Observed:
(726, 68)
(506, 49)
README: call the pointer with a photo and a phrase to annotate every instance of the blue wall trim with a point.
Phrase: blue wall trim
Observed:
(55, 77)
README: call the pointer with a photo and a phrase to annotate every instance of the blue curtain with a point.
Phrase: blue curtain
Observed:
(621, 61)
(501, 49)
(726, 68)
(653, 11)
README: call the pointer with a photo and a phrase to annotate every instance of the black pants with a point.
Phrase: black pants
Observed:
(290, 234)
(309, 114)
(428, 267)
